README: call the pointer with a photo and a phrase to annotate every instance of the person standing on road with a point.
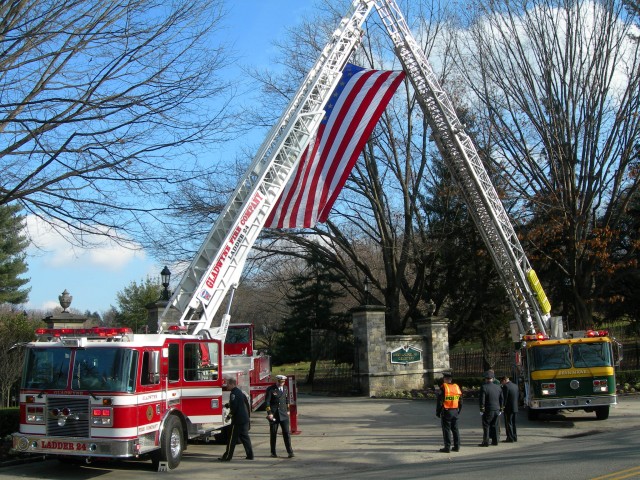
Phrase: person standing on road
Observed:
(491, 406)
(511, 396)
(277, 401)
(240, 414)
(448, 407)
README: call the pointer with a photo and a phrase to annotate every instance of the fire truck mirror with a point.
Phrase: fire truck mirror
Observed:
(154, 367)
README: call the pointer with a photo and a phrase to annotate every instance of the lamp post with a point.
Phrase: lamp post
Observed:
(165, 275)
(366, 290)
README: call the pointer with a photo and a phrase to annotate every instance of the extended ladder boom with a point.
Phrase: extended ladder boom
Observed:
(219, 262)
(465, 165)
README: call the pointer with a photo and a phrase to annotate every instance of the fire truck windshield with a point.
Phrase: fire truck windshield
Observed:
(93, 369)
(596, 354)
(577, 355)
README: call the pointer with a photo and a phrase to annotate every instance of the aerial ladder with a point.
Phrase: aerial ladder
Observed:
(525, 293)
(216, 269)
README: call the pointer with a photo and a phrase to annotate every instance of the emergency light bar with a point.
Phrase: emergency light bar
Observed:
(177, 329)
(101, 332)
(535, 337)
(597, 333)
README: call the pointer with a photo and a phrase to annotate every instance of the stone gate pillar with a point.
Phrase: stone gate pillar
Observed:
(370, 347)
(154, 311)
(436, 332)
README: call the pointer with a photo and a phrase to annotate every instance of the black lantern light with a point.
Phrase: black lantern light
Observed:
(165, 275)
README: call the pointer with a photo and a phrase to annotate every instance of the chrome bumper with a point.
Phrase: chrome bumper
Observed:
(573, 403)
(108, 448)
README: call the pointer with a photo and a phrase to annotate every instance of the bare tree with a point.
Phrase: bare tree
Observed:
(632, 6)
(377, 230)
(558, 85)
(103, 105)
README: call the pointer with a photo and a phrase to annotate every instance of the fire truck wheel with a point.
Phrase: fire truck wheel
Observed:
(532, 414)
(171, 444)
(602, 413)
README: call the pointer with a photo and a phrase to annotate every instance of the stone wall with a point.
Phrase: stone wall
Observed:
(376, 374)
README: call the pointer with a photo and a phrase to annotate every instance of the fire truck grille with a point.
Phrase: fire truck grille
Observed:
(68, 417)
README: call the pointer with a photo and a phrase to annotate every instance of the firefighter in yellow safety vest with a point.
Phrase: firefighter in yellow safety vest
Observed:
(448, 407)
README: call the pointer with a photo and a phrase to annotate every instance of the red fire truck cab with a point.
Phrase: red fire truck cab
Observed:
(109, 393)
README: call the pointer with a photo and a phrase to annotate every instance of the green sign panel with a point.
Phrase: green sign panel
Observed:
(406, 354)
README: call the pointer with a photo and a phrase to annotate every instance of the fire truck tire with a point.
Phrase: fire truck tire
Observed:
(532, 414)
(171, 444)
(602, 413)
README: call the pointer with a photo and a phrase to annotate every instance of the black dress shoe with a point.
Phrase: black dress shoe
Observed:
(291, 455)
(249, 458)
(508, 440)
(445, 450)
(483, 445)
(224, 459)
(273, 455)
(494, 443)
(455, 449)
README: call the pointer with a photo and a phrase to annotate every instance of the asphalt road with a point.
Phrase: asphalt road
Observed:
(399, 439)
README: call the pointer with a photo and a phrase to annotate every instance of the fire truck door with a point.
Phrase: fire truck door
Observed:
(151, 403)
(201, 382)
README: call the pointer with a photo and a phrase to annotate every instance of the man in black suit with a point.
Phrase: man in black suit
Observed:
(277, 401)
(491, 406)
(511, 396)
(240, 413)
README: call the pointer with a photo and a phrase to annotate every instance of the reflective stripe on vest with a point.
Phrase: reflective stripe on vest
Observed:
(452, 395)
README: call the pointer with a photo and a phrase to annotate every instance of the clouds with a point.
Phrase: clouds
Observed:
(50, 243)
(93, 275)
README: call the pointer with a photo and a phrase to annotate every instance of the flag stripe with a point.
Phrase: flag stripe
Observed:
(373, 110)
(333, 142)
(352, 113)
(347, 132)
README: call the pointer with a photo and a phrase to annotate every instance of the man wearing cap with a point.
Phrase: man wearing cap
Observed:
(491, 407)
(511, 396)
(277, 401)
(448, 407)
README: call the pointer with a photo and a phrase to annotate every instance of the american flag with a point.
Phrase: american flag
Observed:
(351, 114)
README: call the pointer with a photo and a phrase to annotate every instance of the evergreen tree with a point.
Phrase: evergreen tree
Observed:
(132, 304)
(13, 244)
(311, 303)
(15, 327)
(462, 279)
(619, 285)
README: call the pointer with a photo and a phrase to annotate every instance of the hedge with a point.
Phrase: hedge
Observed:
(9, 421)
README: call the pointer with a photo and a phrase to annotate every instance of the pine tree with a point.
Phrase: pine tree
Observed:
(132, 304)
(13, 244)
(311, 304)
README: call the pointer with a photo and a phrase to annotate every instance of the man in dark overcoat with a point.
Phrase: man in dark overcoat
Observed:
(511, 395)
(491, 406)
(240, 413)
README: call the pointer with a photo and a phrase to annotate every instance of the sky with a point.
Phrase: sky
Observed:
(94, 277)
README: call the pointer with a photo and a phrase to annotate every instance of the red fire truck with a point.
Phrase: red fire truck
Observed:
(108, 393)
